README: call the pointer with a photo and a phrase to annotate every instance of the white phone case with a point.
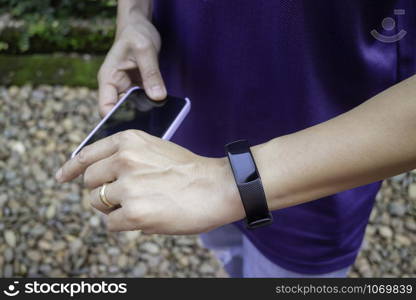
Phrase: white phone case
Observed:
(168, 134)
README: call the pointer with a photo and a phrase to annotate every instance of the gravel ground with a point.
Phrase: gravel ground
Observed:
(51, 230)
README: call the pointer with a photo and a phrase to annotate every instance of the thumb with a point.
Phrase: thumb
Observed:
(107, 95)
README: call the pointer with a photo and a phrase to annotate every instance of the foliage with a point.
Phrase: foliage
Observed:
(49, 69)
(59, 9)
(57, 25)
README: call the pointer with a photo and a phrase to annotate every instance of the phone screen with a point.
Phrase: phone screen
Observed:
(139, 112)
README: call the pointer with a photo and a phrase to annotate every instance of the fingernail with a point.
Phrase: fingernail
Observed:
(157, 91)
(58, 175)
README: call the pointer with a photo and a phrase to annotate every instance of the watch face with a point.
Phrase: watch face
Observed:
(242, 162)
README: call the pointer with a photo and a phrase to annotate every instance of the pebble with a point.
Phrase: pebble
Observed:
(34, 255)
(75, 246)
(44, 245)
(59, 245)
(10, 238)
(18, 147)
(184, 241)
(68, 124)
(8, 271)
(411, 225)
(3, 199)
(149, 247)
(8, 254)
(194, 260)
(183, 260)
(74, 137)
(399, 178)
(95, 221)
(403, 240)
(132, 235)
(33, 271)
(104, 259)
(113, 251)
(51, 230)
(385, 232)
(50, 212)
(206, 268)
(38, 229)
(164, 267)
(13, 91)
(113, 269)
(122, 261)
(397, 209)
(140, 270)
(45, 269)
(412, 191)
(152, 261)
(38, 95)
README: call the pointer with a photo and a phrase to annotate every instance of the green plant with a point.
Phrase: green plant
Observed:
(58, 25)
(49, 69)
(59, 8)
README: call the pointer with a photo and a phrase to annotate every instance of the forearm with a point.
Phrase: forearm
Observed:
(132, 10)
(371, 142)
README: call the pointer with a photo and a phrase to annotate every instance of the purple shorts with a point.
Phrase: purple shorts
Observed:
(240, 258)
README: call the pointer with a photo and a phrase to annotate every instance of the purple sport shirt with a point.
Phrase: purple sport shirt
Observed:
(260, 69)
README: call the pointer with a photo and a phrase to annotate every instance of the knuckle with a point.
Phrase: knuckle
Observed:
(126, 194)
(127, 136)
(104, 70)
(88, 178)
(82, 156)
(142, 44)
(64, 170)
(92, 195)
(140, 135)
(125, 159)
(115, 138)
(126, 32)
(100, 73)
(110, 225)
(151, 74)
(131, 215)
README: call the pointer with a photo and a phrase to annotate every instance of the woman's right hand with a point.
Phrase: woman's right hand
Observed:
(132, 60)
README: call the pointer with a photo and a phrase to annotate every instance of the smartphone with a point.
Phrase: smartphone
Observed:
(137, 111)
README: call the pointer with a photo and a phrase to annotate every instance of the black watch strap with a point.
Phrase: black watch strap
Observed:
(249, 184)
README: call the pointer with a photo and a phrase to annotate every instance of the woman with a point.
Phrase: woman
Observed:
(293, 78)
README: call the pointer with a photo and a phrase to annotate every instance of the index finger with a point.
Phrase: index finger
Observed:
(111, 77)
(88, 155)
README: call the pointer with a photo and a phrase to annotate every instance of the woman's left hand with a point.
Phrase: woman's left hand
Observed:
(157, 186)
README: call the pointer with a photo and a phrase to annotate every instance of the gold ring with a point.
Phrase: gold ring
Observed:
(103, 198)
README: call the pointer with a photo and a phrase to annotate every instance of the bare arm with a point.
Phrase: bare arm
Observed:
(128, 10)
(161, 187)
(374, 141)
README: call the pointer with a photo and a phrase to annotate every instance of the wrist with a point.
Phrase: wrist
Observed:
(128, 8)
(229, 192)
(131, 12)
(274, 177)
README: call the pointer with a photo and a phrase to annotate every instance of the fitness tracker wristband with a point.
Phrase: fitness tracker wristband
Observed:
(249, 184)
